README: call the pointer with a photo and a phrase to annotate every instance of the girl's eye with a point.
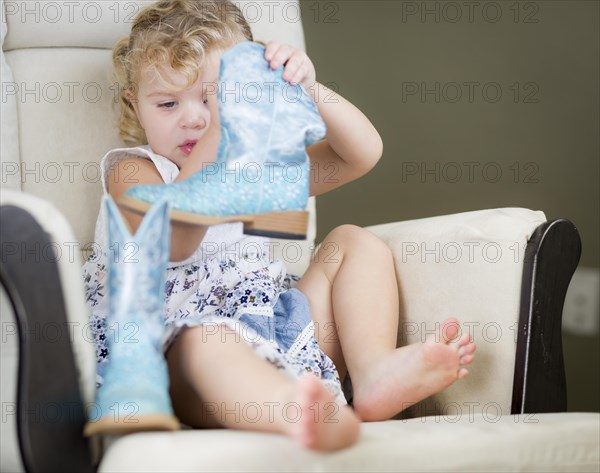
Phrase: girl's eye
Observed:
(166, 105)
(205, 101)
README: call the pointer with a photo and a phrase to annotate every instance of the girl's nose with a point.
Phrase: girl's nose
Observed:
(193, 118)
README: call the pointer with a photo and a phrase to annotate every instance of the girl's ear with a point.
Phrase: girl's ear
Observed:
(129, 96)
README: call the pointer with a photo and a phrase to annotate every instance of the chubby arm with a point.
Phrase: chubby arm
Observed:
(352, 145)
(351, 148)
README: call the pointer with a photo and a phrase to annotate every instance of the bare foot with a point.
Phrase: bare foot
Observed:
(324, 424)
(410, 374)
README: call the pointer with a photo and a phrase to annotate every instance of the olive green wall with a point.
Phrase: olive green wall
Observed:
(466, 148)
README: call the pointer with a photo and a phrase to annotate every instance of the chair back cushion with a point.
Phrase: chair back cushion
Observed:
(468, 266)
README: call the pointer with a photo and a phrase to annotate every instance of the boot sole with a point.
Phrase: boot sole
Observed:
(107, 425)
(290, 224)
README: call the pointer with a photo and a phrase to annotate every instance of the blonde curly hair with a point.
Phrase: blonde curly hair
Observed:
(176, 33)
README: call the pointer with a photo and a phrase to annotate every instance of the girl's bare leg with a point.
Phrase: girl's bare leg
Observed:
(218, 381)
(353, 294)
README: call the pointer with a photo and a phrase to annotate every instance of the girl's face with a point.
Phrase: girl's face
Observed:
(175, 120)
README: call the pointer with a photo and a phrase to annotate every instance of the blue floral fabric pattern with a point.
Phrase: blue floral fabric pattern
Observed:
(250, 293)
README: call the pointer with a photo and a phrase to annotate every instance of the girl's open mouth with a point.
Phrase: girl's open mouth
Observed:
(188, 146)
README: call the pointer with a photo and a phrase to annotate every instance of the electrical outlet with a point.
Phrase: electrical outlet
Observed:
(581, 312)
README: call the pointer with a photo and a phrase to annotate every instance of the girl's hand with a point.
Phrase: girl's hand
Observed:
(298, 69)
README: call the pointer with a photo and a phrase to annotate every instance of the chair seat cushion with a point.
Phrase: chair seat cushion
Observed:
(477, 442)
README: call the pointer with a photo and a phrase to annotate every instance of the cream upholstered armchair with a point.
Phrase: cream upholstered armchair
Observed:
(505, 271)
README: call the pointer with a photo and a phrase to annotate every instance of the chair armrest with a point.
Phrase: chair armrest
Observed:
(551, 258)
(469, 266)
(40, 273)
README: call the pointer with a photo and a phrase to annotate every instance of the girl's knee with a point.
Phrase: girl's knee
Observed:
(354, 238)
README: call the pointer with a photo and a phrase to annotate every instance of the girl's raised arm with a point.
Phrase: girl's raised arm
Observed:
(352, 145)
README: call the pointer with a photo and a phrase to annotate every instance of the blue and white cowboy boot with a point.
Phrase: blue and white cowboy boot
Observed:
(135, 392)
(261, 175)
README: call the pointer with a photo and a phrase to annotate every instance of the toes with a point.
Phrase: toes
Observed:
(463, 373)
(309, 389)
(309, 436)
(466, 359)
(450, 329)
(312, 388)
(466, 353)
(467, 349)
(464, 340)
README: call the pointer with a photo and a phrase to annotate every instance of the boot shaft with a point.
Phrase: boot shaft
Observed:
(137, 271)
(263, 118)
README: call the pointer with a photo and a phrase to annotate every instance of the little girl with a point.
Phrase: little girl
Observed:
(345, 308)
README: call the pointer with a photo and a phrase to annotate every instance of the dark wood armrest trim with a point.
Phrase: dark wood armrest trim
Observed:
(551, 256)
